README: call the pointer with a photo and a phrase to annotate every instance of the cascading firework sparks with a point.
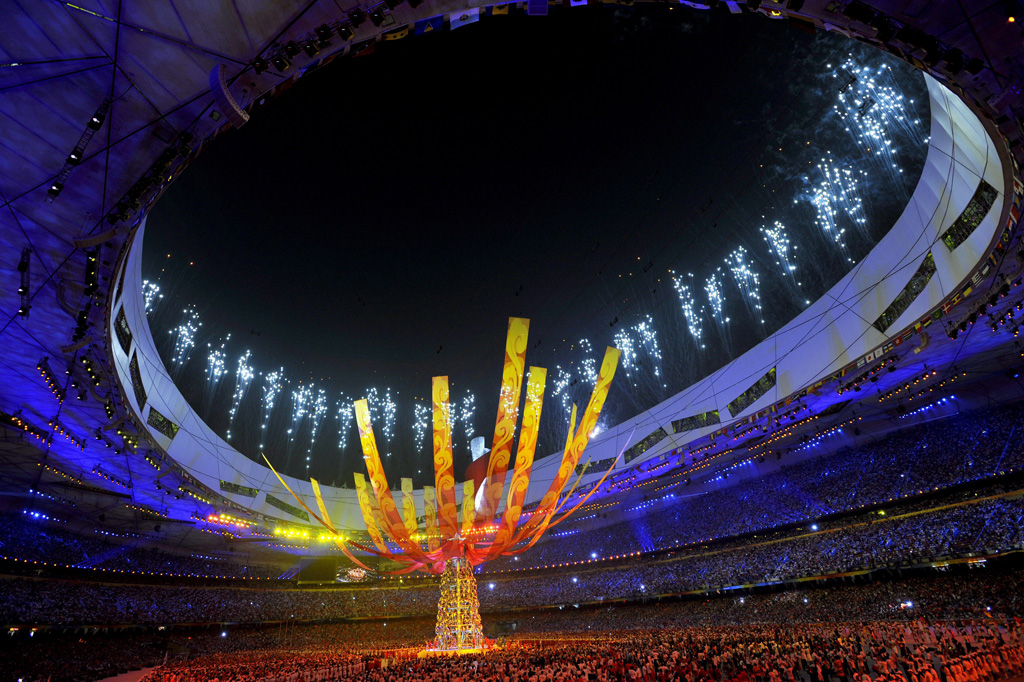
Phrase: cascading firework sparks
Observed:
(150, 294)
(689, 306)
(421, 423)
(317, 412)
(748, 282)
(272, 384)
(467, 408)
(836, 197)
(389, 410)
(185, 337)
(243, 377)
(716, 298)
(874, 111)
(833, 202)
(216, 363)
(301, 397)
(344, 417)
(588, 364)
(780, 249)
(216, 369)
(640, 338)
(623, 340)
(560, 389)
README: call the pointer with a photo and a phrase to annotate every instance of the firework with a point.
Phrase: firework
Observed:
(837, 200)
(150, 295)
(344, 417)
(690, 310)
(301, 397)
(317, 412)
(272, 384)
(875, 113)
(243, 377)
(467, 408)
(780, 249)
(421, 423)
(748, 281)
(636, 342)
(588, 365)
(716, 298)
(185, 338)
(216, 368)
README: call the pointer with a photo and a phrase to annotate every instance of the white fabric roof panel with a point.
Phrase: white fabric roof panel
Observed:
(825, 337)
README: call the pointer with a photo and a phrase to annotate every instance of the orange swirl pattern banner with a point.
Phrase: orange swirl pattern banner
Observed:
(468, 507)
(321, 506)
(444, 474)
(430, 507)
(576, 443)
(408, 506)
(368, 518)
(386, 512)
(536, 380)
(508, 414)
(477, 540)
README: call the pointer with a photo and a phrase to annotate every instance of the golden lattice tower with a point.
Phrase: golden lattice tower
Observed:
(458, 610)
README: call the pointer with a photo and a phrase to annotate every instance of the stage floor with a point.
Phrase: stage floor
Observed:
(429, 653)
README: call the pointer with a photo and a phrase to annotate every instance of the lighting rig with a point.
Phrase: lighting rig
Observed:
(78, 153)
(23, 270)
(51, 381)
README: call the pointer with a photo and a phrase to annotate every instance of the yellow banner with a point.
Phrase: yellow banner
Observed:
(408, 506)
(444, 474)
(368, 517)
(320, 505)
(524, 460)
(430, 507)
(468, 508)
(382, 504)
(508, 414)
(576, 443)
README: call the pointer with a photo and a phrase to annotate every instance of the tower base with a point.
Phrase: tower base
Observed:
(458, 628)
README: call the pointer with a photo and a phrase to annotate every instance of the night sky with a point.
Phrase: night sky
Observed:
(379, 223)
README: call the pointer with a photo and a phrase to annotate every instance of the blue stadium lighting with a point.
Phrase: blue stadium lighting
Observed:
(575, 579)
(928, 407)
(490, 586)
(814, 526)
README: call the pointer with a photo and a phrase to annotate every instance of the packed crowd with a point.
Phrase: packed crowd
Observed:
(938, 455)
(867, 652)
(987, 526)
(925, 458)
(27, 540)
(915, 611)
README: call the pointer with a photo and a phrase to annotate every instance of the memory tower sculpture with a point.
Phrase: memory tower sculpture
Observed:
(446, 546)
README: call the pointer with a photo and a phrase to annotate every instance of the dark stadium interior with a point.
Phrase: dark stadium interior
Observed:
(822, 484)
